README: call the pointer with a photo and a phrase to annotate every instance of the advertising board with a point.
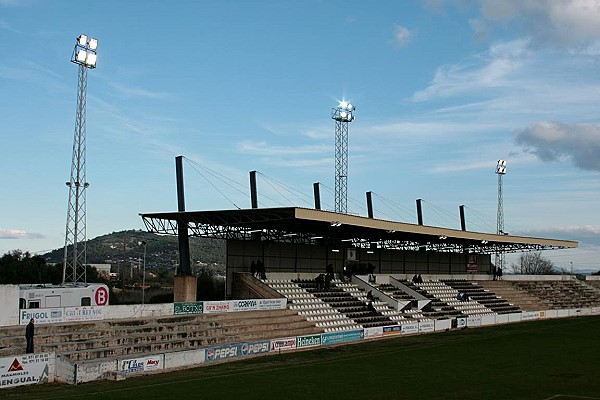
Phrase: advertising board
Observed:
(392, 330)
(283, 344)
(61, 314)
(41, 315)
(413, 327)
(341, 337)
(193, 307)
(426, 326)
(529, 315)
(211, 307)
(141, 364)
(373, 332)
(272, 304)
(24, 370)
(225, 352)
(308, 341)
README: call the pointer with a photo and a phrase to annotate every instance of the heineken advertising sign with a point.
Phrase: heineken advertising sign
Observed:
(308, 341)
(194, 307)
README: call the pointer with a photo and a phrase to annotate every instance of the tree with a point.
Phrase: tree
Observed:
(533, 264)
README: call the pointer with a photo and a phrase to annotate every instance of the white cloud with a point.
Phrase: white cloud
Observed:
(565, 23)
(492, 69)
(6, 26)
(402, 35)
(264, 149)
(18, 234)
(553, 141)
(13, 3)
(138, 92)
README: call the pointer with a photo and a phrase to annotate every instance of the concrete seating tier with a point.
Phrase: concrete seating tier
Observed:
(107, 339)
(520, 298)
(437, 308)
(483, 296)
(561, 294)
(446, 297)
(340, 306)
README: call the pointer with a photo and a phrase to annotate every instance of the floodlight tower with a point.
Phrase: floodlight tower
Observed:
(342, 114)
(75, 255)
(500, 171)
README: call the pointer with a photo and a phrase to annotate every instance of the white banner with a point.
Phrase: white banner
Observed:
(24, 370)
(461, 322)
(217, 307)
(244, 305)
(90, 313)
(211, 307)
(474, 320)
(272, 304)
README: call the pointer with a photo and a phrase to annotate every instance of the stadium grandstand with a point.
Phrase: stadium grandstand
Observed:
(299, 279)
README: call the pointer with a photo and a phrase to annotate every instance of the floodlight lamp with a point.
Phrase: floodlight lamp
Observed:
(91, 59)
(82, 40)
(93, 43)
(81, 56)
(349, 107)
(501, 167)
(343, 114)
(343, 104)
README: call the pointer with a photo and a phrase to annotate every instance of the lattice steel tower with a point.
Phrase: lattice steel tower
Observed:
(342, 115)
(500, 171)
(75, 255)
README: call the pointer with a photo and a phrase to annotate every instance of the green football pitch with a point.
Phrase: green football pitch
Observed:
(550, 359)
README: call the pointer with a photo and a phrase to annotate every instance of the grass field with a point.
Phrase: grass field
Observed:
(552, 359)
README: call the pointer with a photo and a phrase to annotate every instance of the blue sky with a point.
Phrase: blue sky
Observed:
(443, 89)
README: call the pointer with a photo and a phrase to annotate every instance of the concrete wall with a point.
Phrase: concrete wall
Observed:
(65, 371)
(94, 370)
(138, 310)
(9, 305)
(181, 359)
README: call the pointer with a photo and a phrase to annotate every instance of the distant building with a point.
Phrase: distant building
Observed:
(103, 269)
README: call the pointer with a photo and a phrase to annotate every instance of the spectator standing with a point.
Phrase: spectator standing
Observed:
(29, 332)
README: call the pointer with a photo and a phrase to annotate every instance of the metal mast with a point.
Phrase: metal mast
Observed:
(500, 171)
(75, 255)
(342, 114)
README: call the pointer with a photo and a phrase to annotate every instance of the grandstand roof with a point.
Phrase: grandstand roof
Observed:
(302, 225)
